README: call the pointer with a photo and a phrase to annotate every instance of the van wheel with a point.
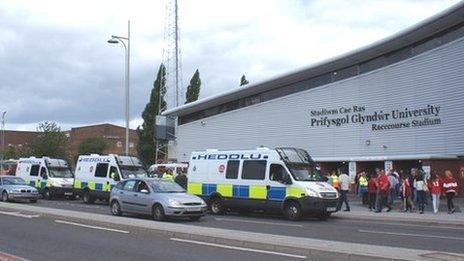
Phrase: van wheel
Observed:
(216, 206)
(87, 198)
(158, 212)
(292, 210)
(47, 194)
(33, 200)
(5, 197)
(116, 208)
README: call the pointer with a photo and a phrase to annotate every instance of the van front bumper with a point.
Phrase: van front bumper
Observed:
(318, 205)
(60, 191)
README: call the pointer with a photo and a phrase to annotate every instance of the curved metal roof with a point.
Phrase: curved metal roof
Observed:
(439, 22)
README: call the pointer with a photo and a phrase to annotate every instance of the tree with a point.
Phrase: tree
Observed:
(193, 90)
(156, 105)
(51, 141)
(243, 81)
(92, 145)
(12, 153)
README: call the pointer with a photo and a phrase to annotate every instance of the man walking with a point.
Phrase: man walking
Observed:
(344, 181)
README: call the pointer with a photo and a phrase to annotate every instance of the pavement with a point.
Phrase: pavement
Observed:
(361, 212)
(276, 235)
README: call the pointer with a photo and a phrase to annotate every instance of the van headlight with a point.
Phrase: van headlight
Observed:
(57, 183)
(312, 193)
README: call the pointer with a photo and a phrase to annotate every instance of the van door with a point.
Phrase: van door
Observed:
(114, 178)
(254, 176)
(276, 190)
(34, 174)
(43, 177)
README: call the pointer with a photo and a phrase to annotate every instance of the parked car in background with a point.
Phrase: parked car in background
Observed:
(156, 197)
(15, 188)
(8, 167)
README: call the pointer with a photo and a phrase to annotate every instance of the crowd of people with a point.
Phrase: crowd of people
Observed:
(415, 189)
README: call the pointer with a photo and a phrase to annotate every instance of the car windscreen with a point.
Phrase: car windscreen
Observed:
(129, 172)
(161, 186)
(60, 172)
(305, 172)
(13, 181)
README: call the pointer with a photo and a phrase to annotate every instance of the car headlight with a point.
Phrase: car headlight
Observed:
(312, 193)
(175, 203)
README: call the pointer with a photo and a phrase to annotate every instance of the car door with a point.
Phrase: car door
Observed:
(276, 189)
(126, 196)
(142, 197)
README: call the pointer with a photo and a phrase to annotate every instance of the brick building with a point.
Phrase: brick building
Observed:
(114, 135)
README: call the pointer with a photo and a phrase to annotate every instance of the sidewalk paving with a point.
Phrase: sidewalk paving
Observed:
(358, 211)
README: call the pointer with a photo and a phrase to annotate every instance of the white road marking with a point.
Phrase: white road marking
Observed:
(94, 227)
(409, 234)
(17, 214)
(238, 248)
(9, 257)
(258, 222)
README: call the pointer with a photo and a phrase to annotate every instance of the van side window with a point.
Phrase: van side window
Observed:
(43, 173)
(276, 172)
(254, 169)
(232, 169)
(35, 170)
(101, 170)
(114, 174)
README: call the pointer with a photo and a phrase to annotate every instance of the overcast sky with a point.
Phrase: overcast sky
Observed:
(56, 64)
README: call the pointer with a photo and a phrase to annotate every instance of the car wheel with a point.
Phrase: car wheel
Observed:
(158, 212)
(194, 218)
(47, 194)
(5, 197)
(87, 198)
(217, 206)
(292, 210)
(33, 200)
(115, 208)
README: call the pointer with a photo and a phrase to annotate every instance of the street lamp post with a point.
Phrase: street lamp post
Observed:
(3, 141)
(120, 39)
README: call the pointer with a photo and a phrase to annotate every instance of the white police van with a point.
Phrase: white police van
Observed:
(281, 179)
(52, 177)
(96, 175)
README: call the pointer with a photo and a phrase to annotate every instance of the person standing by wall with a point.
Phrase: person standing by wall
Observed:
(382, 194)
(406, 194)
(435, 188)
(372, 191)
(450, 187)
(362, 188)
(344, 180)
(421, 190)
(393, 181)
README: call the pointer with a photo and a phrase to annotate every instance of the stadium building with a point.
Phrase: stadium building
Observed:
(397, 103)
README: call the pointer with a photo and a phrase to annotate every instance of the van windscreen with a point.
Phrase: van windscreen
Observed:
(60, 172)
(133, 172)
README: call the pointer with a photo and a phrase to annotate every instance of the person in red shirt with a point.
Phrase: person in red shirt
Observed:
(435, 184)
(382, 192)
(406, 193)
(372, 190)
(450, 187)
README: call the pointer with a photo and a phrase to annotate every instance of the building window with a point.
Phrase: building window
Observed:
(119, 144)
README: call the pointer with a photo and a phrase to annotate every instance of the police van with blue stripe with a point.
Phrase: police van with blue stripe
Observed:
(97, 174)
(51, 177)
(281, 179)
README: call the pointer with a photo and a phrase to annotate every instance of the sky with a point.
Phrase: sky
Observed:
(56, 64)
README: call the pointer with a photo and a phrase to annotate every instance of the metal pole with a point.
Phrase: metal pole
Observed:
(127, 86)
(3, 142)
(177, 54)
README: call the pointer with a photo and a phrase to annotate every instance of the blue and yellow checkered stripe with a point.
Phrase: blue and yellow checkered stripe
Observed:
(92, 185)
(245, 191)
(39, 184)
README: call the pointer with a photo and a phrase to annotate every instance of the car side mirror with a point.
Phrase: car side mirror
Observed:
(144, 191)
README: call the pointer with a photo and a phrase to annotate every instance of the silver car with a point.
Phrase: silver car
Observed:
(15, 188)
(156, 197)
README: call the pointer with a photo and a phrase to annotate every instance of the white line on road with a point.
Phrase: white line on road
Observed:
(17, 214)
(258, 222)
(408, 234)
(9, 257)
(407, 225)
(89, 226)
(238, 248)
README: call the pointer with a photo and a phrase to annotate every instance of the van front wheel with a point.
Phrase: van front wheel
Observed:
(292, 210)
(217, 206)
(87, 198)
